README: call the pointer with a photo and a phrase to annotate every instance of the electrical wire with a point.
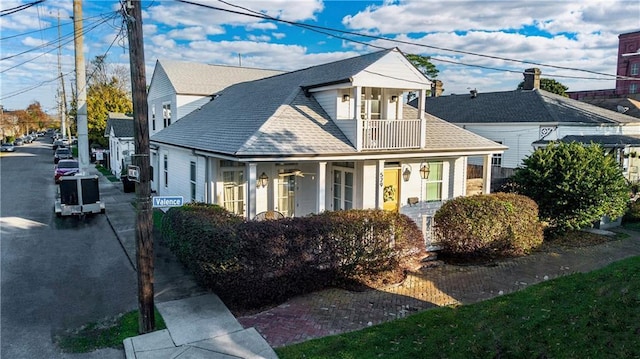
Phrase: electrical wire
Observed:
(259, 15)
(19, 8)
(54, 26)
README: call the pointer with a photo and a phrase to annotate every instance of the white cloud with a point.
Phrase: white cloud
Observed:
(258, 38)
(279, 35)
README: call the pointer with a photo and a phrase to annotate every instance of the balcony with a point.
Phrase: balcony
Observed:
(391, 134)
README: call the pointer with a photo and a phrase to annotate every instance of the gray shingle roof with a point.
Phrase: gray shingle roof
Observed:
(203, 79)
(604, 140)
(121, 123)
(274, 117)
(520, 106)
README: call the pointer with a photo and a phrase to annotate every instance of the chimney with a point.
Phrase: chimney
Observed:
(531, 79)
(436, 88)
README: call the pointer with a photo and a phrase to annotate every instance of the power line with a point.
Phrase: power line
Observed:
(53, 27)
(18, 8)
(311, 27)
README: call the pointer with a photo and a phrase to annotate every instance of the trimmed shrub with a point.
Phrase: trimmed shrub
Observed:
(493, 225)
(250, 264)
(633, 212)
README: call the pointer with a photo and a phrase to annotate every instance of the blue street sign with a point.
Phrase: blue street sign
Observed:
(167, 201)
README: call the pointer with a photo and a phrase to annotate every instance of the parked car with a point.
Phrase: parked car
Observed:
(7, 147)
(62, 153)
(66, 168)
(57, 143)
(18, 142)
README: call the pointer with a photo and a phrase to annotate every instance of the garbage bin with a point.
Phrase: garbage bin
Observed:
(127, 186)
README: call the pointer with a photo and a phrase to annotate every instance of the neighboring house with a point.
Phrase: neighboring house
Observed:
(178, 87)
(120, 132)
(329, 137)
(524, 119)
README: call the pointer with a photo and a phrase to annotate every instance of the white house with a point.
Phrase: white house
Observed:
(179, 87)
(329, 137)
(525, 119)
(120, 132)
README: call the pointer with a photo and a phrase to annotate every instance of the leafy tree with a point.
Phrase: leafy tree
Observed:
(106, 92)
(424, 65)
(37, 118)
(574, 185)
(550, 85)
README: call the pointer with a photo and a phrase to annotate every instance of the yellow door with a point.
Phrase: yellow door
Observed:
(391, 190)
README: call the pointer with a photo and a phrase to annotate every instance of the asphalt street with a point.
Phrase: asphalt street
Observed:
(56, 273)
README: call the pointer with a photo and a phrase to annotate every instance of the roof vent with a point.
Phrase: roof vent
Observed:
(474, 93)
(622, 109)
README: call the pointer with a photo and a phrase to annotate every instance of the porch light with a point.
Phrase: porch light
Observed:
(406, 174)
(424, 171)
(394, 98)
(263, 180)
(346, 97)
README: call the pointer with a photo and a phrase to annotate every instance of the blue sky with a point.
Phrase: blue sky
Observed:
(475, 44)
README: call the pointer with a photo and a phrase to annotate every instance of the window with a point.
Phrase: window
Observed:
(233, 191)
(342, 189)
(433, 184)
(370, 106)
(633, 88)
(287, 195)
(496, 159)
(166, 114)
(635, 68)
(153, 117)
(193, 181)
(166, 171)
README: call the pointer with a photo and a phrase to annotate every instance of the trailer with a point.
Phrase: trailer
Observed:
(78, 195)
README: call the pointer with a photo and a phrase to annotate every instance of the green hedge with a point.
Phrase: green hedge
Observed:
(250, 264)
(493, 225)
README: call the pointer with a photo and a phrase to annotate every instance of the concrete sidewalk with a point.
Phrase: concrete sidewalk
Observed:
(199, 325)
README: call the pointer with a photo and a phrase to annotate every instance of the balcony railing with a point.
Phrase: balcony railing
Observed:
(390, 134)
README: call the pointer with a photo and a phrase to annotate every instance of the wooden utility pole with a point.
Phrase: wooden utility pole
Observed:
(144, 215)
(63, 96)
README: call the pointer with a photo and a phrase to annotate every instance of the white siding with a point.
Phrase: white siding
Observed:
(518, 138)
(179, 174)
(392, 71)
(329, 102)
(186, 104)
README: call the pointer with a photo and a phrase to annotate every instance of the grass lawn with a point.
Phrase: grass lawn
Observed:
(107, 173)
(592, 315)
(107, 334)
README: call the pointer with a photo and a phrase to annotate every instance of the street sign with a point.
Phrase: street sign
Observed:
(167, 201)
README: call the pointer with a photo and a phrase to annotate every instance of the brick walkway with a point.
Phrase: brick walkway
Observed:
(335, 311)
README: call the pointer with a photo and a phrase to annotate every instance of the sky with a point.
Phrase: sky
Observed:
(482, 45)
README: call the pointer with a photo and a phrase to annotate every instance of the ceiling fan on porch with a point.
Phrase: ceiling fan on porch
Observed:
(294, 172)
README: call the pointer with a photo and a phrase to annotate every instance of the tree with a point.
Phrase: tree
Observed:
(37, 118)
(550, 85)
(573, 184)
(424, 65)
(106, 92)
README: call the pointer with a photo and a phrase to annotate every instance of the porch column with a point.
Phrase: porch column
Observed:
(321, 187)
(212, 179)
(251, 190)
(421, 115)
(357, 100)
(379, 184)
(486, 176)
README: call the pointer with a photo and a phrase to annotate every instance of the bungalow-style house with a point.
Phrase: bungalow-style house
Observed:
(179, 87)
(524, 119)
(120, 132)
(329, 137)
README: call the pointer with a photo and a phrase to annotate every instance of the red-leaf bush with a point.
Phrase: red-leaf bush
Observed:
(491, 226)
(250, 264)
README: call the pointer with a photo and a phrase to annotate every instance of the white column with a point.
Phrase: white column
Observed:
(251, 190)
(486, 176)
(357, 100)
(321, 178)
(379, 184)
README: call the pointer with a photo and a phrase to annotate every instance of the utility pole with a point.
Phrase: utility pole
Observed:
(63, 104)
(81, 88)
(144, 215)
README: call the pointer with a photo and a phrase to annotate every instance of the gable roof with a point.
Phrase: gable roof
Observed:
(520, 106)
(192, 78)
(628, 106)
(275, 117)
(604, 140)
(122, 125)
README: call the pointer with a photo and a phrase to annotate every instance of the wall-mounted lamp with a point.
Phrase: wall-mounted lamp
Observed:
(424, 171)
(394, 98)
(346, 97)
(406, 173)
(263, 180)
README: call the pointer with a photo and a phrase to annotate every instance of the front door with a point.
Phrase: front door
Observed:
(287, 195)
(391, 190)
